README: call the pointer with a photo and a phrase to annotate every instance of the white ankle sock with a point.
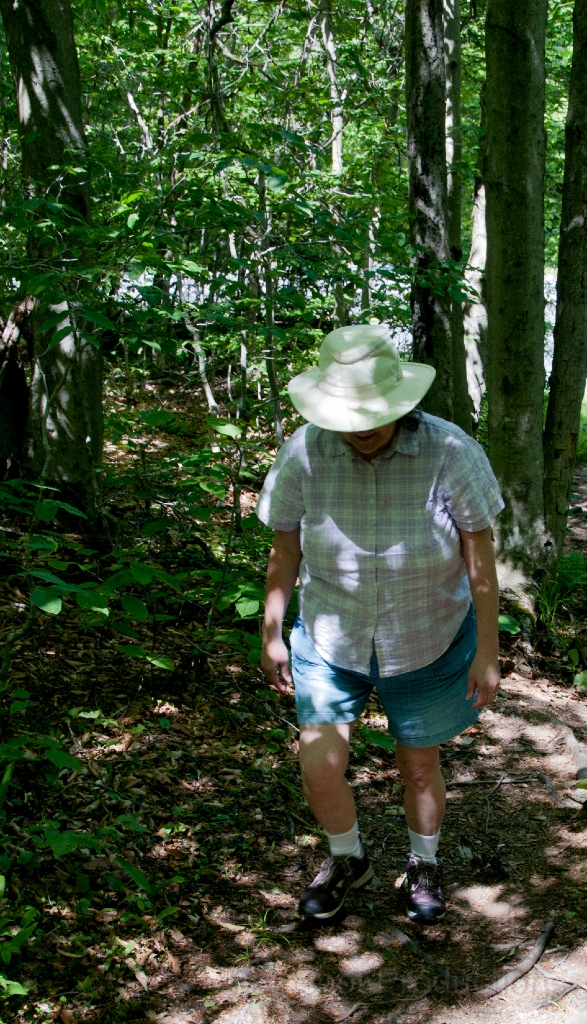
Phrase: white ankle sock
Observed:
(346, 844)
(424, 847)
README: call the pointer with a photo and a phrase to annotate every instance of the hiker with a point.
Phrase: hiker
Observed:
(385, 514)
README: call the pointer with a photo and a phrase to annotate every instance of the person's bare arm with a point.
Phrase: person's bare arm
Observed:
(484, 675)
(282, 573)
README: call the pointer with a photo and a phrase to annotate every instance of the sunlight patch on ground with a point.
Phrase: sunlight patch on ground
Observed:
(485, 901)
(344, 944)
(357, 966)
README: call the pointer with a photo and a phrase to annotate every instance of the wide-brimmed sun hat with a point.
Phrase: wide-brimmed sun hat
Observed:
(360, 382)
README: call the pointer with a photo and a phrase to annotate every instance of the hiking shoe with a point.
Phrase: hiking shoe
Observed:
(425, 901)
(327, 893)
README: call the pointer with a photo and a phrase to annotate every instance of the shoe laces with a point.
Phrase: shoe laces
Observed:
(423, 875)
(328, 868)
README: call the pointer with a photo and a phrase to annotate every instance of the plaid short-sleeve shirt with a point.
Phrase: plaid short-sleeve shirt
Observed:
(382, 557)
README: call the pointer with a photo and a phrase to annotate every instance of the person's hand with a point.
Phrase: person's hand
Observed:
(484, 676)
(275, 662)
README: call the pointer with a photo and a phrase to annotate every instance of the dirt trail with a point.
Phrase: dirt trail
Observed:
(515, 857)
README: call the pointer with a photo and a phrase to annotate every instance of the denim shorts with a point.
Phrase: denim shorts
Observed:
(423, 708)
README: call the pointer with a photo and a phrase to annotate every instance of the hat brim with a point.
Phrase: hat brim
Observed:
(346, 416)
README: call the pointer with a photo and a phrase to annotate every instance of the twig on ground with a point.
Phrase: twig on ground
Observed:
(548, 783)
(557, 977)
(518, 972)
(400, 937)
(557, 999)
(491, 782)
(353, 1009)
(311, 828)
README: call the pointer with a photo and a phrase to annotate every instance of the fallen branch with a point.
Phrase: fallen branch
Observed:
(522, 969)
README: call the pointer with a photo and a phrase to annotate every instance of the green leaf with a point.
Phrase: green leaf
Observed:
(129, 821)
(119, 579)
(48, 601)
(46, 510)
(48, 577)
(98, 318)
(509, 625)
(574, 657)
(58, 337)
(378, 739)
(12, 988)
(132, 219)
(155, 526)
(229, 429)
(92, 602)
(137, 876)
(161, 662)
(20, 705)
(61, 759)
(125, 630)
(135, 607)
(141, 573)
(247, 606)
(167, 912)
(20, 693)
(62, 843)
(133, 650)
(580, 680)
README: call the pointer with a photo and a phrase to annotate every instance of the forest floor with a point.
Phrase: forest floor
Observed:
(177, 901)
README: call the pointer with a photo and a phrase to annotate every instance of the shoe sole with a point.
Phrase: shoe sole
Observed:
(356, 885)
(415, 916)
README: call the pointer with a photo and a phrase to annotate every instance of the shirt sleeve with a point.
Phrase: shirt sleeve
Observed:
(281, 501)
(471, 492)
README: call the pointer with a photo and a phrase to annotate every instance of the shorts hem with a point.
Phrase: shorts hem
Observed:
(438, 738)
(325, 720)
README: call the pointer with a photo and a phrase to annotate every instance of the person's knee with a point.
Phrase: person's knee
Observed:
(324, 752)
(417, 771)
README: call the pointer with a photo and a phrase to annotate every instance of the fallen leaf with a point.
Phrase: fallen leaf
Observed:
(66, 1016)
(139, 975)
(174, 963)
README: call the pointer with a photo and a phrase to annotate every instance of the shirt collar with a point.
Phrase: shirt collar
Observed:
(405, 442)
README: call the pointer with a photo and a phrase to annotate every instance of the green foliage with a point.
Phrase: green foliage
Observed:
(508, 624)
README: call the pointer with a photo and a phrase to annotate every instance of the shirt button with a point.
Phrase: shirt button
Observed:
(371, 501)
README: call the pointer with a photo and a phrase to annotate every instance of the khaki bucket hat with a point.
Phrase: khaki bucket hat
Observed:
(360, 382)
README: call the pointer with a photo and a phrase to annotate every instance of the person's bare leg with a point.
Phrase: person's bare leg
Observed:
(324, 755)
(425, 792)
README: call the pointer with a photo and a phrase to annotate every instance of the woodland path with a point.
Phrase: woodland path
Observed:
(212, 816)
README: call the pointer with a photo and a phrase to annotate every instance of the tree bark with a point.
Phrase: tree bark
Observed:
(425, 111)
(454, 156)
(514, 182)
(569, 369)
(475, 318)
(336, 117)
(63, 443)
(45, 69)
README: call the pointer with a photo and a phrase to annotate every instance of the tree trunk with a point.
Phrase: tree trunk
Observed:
(514, 182)
(63, 445)
(569, 369)
(45, 69)
(454, 156)
(475, 318)
(425, 111)
(339, 315)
